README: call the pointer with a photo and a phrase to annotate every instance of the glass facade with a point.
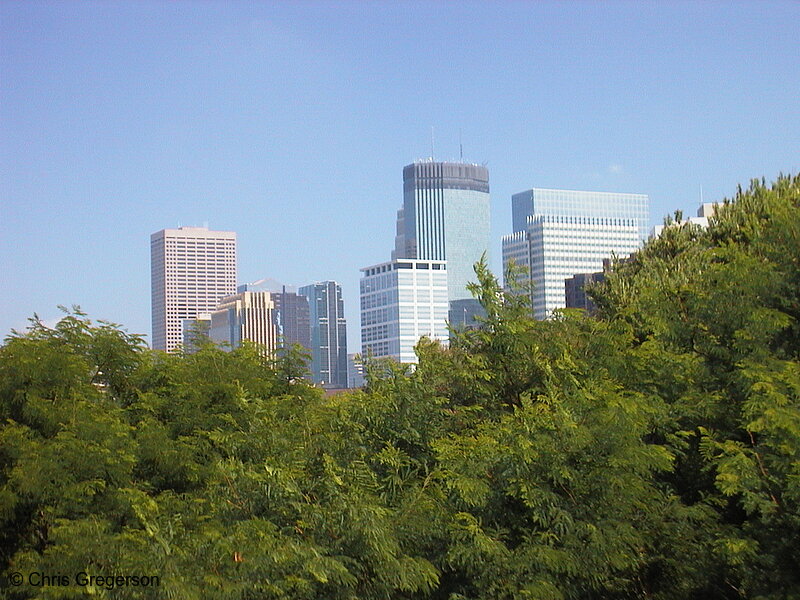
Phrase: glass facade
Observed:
(443, 229)
(610, 205)
(328, 333)
(294, 319)
(446, 216)
(560, 233)
(465, 314)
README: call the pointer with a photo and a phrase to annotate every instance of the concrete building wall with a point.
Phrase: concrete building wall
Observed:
(191, 270)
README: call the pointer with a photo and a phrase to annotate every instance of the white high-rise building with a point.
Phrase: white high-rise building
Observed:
(705, 211)
(246, 316)
(191, 270)
(560, 233)
(401, 301)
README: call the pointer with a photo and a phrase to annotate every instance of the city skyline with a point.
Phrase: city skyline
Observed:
(288, 124)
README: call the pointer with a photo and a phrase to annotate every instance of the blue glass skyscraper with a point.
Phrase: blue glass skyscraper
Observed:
(445, 216)
(572, 203)
(328, 333)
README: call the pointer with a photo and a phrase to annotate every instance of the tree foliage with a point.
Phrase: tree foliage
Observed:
(651, 452)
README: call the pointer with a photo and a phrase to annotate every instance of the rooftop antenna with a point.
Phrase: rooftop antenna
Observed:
(460, 148)
(432, 146)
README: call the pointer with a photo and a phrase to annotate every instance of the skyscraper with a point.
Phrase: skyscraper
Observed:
(294, 317)
(571, 203)
(191, 270)
(445, 216)
(291, 314)
(401, 301)
(443, 229)
(246, 316)
(560, 233)
(328, 333)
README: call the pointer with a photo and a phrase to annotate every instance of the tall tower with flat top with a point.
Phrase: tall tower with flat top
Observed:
(191, 270)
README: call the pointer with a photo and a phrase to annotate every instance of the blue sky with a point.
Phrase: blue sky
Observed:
(290, 124)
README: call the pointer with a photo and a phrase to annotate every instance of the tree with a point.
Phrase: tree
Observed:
(721, 307)
(652, 452)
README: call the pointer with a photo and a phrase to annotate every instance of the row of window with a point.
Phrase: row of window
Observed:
(200, 257)
(403, 265)
(379, 299)
(370, 334)
(190, 240)
(375, 349)
(375, 316)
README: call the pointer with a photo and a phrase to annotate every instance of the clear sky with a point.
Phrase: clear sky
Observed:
(290, 124)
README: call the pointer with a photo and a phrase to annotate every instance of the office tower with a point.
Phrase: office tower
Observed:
(445, 216)
(294, 317)
(559, 233)
(569, 203)
(575, 290)
(246, 316)
(443, 229)
(401, 301)
(195, 331)
(704, 211)
(191, 270)
(291, 312)
(355, 371)
(328, 333)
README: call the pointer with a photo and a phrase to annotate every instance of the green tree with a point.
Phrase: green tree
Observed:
(652, 452)
(721, 308)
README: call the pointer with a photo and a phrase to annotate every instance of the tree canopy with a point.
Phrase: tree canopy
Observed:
(652, 451)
